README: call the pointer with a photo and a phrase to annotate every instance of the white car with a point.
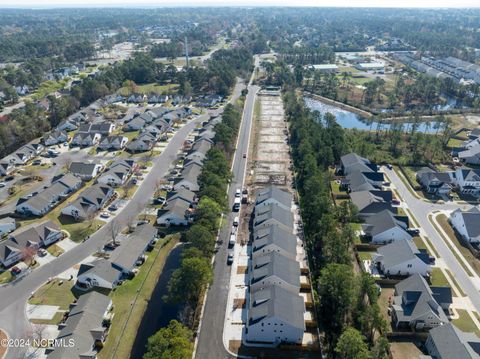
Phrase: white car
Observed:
(238, 192)
(236, 221)
(2, 184)
(105, 215)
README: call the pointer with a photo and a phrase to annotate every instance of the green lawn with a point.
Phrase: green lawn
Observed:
(454, 142)
(438, 278)
(419, 243)
(364, 256)
(465, 322)
(54, 293)
(47, 88)
(474, 262)
(130, 301)
(6, 277)
(57, 318)
(55, 250)
(130, 135)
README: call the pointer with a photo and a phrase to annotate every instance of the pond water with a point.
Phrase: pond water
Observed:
(348, 119)
(158, 313)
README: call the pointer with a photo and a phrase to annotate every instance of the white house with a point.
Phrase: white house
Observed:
(467, 223)
(86, 139)
(467, 180)
(101, 274)
(275, 315)
(85, 171)
(386, 227)
(113, 143)
(402, 258)
(7, 225)
(118, 173)
(6, 168)
(177, 212)
(9, 254)
(52, 138)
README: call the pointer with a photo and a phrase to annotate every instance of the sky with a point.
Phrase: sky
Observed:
(160, 3)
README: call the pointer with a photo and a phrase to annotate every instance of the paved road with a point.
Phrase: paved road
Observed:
(210, 341)
(14, 297)
(420, 210)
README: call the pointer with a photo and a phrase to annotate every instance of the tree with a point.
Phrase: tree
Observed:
(337, 289)
(202, 238)
(188, 282)
(114, 230)
(171, 342)
(351, 345)
(371, 320)
(208, 213)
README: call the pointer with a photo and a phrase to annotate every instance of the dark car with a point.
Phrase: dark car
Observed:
(413, 231)
(230, 258)
(9, 178)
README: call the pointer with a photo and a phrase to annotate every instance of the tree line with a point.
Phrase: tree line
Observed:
(188, 283)
(349, 315)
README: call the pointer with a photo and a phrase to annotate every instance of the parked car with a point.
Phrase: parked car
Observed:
(113, 208)
(42, 252)
(389, 166)
(413, 231)
(233, 240)
(111, 245)
(37, 162)
(236, 221)
(244, 155)
(395, 202)
(15, 270)
(145, 221)
(105, 215)
(9, 178)
(230, 257)
(238, 192)
(159, 200)
(2, 184)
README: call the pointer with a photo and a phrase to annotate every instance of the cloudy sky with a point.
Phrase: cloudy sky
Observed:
(337, 3)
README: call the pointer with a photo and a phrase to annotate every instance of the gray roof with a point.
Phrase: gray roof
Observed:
(273, 192)
(363, 199)
(273, 213)
(7, 220)
(414, 298)
(353, 163)
(84, 325)
(83, 168)
(471, 218)
(275, 301)
(177, 206)
(191, 173)
(401, 251)
(384, 221)
(133, 246)
(276, 236)
(470, 174)
(184, 194)
(275, 264)
(357, 181)
(451, 342)
(202, 145)
(34, 233)
(102, 268)
(427, 175)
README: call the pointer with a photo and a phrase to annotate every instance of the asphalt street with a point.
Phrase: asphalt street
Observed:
(420, 210)
(13, 297)
(210, 340)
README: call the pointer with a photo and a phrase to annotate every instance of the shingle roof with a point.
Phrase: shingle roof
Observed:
(85, 318)
(471, 219)
(363, 199)
(275, 264)
(276, 236)
(83, 168)
(273, 213)
(414, 299)
(451, 342)
(401, 251)
(283, 197)
(102, 268)
(277, 302)
(384, 221)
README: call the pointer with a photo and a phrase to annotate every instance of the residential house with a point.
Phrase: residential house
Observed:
(273, 195)
(189, 178)
(467, 223)
(101, 273)
(85, 327)
(67, 125)
(418, 306)
(86, 139)
(118, 173)
(7, 225)
(55, 137)
(102, 127)
(467, 180)
(274, 239)
(386, 227)
(209, 100)
(144, 142)
(10, 253)
(275, 315)
(184, 194)
(24, 154)
(44, 234)
(363, 181)
(199, 150)
(113, 143)
(447, 341)
(470, 156)
(352, 162)
(41, 202)
(177, 212)
(135, 124)
(274, 268)
(372, 202)
(402, 258)
(6, 168)
(273, 214)
(84, 170)
(434, 182)
(133, 247)
(89, 201)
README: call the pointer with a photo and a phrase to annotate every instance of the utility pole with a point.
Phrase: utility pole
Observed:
(186, 51)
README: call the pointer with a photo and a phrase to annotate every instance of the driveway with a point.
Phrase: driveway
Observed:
(421, 210)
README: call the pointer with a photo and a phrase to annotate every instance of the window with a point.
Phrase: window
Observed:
(409, 266)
